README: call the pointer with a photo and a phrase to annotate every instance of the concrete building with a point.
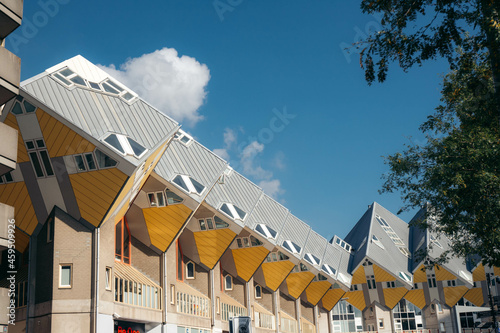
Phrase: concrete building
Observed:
(124, 223)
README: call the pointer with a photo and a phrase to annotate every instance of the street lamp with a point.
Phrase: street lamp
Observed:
(488, 280)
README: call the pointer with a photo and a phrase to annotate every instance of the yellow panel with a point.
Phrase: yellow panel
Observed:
(442, 274)
(297, 282)
(276, 272)
(478, 274)
(381, 275)
(59, 138)
(453, 294)
(316, 290)
(496, 271)
(95, 191)
(475, 296)
(164, 223)
(331, 298)
(248, 260)
(149, 164)
(416, 297)
(212, 244)
(359, 276)
(393, 295)
(420, 275)
(22, 154)
(356, 298)
(16, 195)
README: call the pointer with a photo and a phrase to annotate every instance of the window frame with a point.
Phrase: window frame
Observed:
(258, 287)
(70, 285)
(124, 143)
(109, 278)
(186, 267)
(226, 284)
(124, 223)
(37, 151)
(191, 189)
(233, 209)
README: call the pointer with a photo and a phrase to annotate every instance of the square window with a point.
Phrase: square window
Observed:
(108, 278)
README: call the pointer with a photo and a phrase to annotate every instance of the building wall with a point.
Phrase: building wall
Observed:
(145, 260)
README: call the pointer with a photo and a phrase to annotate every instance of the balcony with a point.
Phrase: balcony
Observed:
(10, 74)
(11, 15)
(8, 149)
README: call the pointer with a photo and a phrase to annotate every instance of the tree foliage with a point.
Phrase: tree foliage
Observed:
(457, 171)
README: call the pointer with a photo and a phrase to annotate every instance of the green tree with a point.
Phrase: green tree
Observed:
(457, 170)
(416, 30)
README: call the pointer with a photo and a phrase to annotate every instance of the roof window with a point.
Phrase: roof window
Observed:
(183, 137)
(265, 231)
(377, 242)
(435, 241)
(328, 269)
(389, 231)
(405, 251)
(188, 184)
(22, 106)
(103, 160)
(291, 247)
(125, 145)
(233, 211)
(337, 240)
(311, 258)
(405, 276)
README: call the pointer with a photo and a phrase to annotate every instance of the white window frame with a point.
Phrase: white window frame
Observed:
(183, 138)
(312, 259)
(189, 184)
(109, 278)
(225, 282)
(405, 277)
(329, 270)
(267, 233)
(258, 297)
(194, 270)
(155, 194)
(233, 211)
(61, 286)
(37, 150)
(292, 246)
(377, 242)
(343, 244)
(404, 251)
(123, 140)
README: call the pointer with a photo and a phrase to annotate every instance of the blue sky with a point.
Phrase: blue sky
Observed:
(243, 65)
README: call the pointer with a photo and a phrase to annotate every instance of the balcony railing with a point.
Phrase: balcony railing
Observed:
(288, 325)
(264, 320)
(230, 311)
(193, 305)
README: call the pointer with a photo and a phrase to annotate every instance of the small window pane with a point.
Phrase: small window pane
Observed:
(258, 292)
(190, 270)
(67, 72)
(152, 199)
(80, 165)
(36, 164)
(17, 108)
(60, 77)
(128, 96)
(90, 161)
(185, 139)
(137, 148)
(65, 276)
(198, 187)
(30, 145)
(40, 144)
(94, 85)
(219, 223)
(179, 181)
(210, 224)
(172, 198)
(226, 210)
(78, 80)
(114, 85)
(109, 88)
(46, 162)
(202, 225)
(103, 160)
(161, 200)
(238, 241)
(8, 177)
(112, 140)
(29, 107)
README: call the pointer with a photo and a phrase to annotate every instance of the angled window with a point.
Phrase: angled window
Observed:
(391, 284)
(452, 283)
(255, 241)
(276, 256)
(39, 157)
(190, 270)
(265, 231)
(103, 160)
(376, 241)
(258, 292)
(233, 211)
(431, 280)
(337, 240)
(370, 280)
(303, 268)
(328, 269)
(183, 137)
(312, 259)
(405, 251)
(67, 76)
(109, 277)
(405, 276)
(156, 199)
(122, 241)
(172, 198)
(389, 231)
(242, 242)
(435, 241)
(321, 277)
(22, 106)
(228, 282)
(291, 247)
(219, 223)
(7, 178)
(188, 184)
(125, 145)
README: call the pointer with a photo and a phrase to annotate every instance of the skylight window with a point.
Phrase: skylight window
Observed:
(266, 231)
(328, 270)
(342, 244)
(377, 242)
(125, 145)
(67, 75)
(233, 211)
(389, 231)
(311, 258)
(188, 184)
(405, 276)
(183, 137)
(405, 251)
(291, 247)
(22, 106)
(435, 241)
(103, 160)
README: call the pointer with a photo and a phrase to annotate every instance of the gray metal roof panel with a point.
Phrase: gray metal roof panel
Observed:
(358, 239)
(294, 230)
(316, 245)
(269, 212)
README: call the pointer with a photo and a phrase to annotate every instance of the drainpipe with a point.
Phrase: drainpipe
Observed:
(165, 298)
(97, 236)
(276, 310)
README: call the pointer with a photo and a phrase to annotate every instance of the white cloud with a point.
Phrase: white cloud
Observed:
(222, 153)
(175, 85)
(272, 187)
(230, 137)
